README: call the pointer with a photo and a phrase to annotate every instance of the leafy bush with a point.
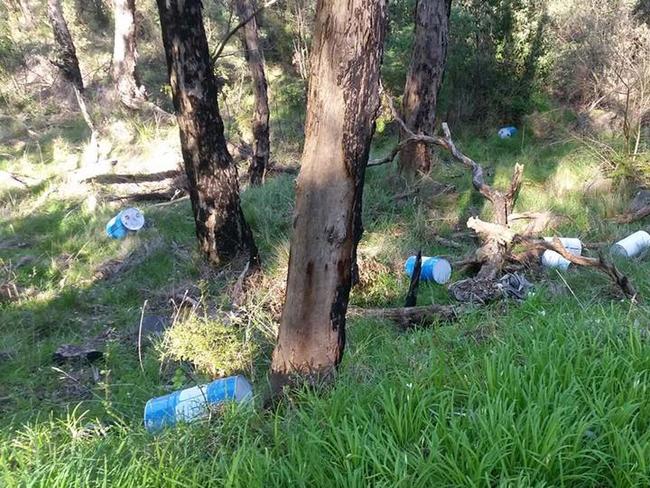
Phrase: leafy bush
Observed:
(496, 58)
(215, 347)
(602, 69)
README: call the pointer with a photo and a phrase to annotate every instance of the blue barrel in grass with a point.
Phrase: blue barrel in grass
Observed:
(194, 403)
(507, 132)
(128, 220)
(433, 269)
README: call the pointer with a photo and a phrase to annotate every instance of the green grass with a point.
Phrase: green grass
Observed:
(550, 392)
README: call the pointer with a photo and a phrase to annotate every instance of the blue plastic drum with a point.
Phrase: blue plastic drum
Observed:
(193, 403)
(433, 269)
(507, 132)
(130, 219)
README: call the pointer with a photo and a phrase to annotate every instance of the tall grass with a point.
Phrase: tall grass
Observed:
(554, 399)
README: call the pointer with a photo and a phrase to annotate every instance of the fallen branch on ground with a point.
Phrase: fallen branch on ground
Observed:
(630, 217)
(154, 196)
(497, 237)
(409, 317)
(599, 263)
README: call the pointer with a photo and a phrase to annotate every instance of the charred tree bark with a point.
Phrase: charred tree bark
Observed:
(125, 55)
(255, 60)
(221, 228)
(65, 52)
(423, 80)
(342, 106)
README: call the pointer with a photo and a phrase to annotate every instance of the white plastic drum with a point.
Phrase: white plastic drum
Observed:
(632, 245)
(132, 219)
(552, 259)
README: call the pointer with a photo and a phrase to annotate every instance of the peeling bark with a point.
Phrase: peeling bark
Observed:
(65, 52)
(125, 55)
(423, 80)
(221, 228)
(255, 60)
(342, 106)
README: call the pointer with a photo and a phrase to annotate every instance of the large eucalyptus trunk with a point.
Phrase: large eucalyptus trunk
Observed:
(342, 105)
(424, 80)
(221, 228)
(255, 59)
(125, 76)
(65, 52)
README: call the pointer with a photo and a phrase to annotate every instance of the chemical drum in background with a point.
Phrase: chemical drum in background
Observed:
(193, 403)
(507, 132)
(128, 220)
(433, 269)
(551, 259)
(632, 245)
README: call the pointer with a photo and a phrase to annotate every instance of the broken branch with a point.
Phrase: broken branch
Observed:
(239, 26)
(633, 216)
(412, 295)
(599, 263)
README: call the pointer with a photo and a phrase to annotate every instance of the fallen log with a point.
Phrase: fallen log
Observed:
(630, 217)
(408, 317)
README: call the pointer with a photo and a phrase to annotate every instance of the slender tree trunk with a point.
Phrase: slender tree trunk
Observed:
(26, 12)
(221, 228)
(424, 80)
(125, 55)
(65, 52)
(255, 59)
(342, 105)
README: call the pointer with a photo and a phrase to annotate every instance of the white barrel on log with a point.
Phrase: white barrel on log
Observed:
(552, 259)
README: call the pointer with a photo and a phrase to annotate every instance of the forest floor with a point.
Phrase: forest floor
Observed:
(552, 391)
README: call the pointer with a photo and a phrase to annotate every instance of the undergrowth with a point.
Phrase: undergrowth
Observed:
(549, 392)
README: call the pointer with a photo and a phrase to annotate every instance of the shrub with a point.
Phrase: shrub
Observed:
(217, 347)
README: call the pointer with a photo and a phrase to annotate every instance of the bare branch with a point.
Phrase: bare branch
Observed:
(239, 26)
(492, 232)
(599, 263)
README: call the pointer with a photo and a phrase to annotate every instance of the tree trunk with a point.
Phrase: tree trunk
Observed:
(255, 59)
(424, 80)
(125, 76)
(25, 11)
(221, 228)
(66, 54)
(342, 105)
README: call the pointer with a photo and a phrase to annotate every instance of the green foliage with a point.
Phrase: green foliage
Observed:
(550, 392)
(217, 347)
(496, 60)
(552, 395)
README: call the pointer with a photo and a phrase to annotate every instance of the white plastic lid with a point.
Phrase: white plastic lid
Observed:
(132, 219)
(441, 271)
